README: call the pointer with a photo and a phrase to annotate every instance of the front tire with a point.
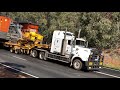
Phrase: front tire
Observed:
(11, 50)
(77, 64)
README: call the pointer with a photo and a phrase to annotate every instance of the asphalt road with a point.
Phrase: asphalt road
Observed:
(50, 69)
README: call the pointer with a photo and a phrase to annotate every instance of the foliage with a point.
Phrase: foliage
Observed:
(101, 29)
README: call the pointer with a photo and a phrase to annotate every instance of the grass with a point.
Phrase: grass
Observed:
(112, 58)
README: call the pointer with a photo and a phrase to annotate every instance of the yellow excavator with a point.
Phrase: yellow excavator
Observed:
(30, 38)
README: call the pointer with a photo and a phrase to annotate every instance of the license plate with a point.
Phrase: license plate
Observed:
(90, 63)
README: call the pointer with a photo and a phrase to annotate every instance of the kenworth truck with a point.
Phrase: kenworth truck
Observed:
(24, 38)
(66, 48)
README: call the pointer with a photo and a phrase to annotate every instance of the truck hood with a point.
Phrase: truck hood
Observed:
(83, 49)
(81, 52)
(84, 53)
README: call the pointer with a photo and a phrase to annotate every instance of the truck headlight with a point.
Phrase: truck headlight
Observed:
(101, 63)
(91, 53)
(90, 63)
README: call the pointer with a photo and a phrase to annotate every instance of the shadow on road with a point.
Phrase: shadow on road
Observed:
(13, 65)
(58, 62)
(8, 72)
(68, 65)
(1, 45)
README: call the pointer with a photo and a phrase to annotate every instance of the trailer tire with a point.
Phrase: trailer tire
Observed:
(17, 51)
(42, 55)
(77, 64)
(34, 53)
(21, 51)
(27, 52)
(11, 50)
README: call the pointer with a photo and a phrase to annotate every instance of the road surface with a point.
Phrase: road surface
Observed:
(50, 69)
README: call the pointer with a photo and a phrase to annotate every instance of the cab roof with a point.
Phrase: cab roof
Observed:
(80, 39)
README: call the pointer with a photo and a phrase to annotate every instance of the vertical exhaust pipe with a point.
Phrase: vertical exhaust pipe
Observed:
(79, 33)
(63, 49)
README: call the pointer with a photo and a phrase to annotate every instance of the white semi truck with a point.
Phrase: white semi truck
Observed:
(66, 48)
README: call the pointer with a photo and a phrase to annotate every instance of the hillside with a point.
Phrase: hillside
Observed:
(112, 58)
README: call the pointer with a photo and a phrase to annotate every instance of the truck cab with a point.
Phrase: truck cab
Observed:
(76, 49)
(57, 42)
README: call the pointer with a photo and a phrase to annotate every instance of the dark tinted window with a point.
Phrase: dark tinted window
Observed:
(78, 42)
(69, 42)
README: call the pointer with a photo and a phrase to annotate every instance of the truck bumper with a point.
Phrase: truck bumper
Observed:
(94, 65)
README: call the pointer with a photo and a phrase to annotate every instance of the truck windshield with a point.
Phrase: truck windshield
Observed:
(81, 43)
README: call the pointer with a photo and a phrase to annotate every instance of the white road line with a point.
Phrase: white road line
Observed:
(19, 71)
(107, 74)
(111, 69)
(19, 58)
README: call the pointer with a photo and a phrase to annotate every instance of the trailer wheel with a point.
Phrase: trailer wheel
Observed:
(11, 50)
(27, 52)
(77, 64)
(21, 51)
(34, 53)
(17, 51)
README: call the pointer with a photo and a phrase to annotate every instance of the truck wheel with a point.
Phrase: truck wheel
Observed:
(11, 50)
(77, 64)
(34, 53)
(42, 55)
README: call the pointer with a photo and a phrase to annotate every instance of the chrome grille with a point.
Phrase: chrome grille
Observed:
(96, 55)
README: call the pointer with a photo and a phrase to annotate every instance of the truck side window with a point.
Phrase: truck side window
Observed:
(69, 42)
(77, 42)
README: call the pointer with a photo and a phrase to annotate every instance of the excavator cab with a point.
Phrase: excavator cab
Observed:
(14, 32)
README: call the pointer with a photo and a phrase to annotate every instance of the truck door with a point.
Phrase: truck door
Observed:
(68, 47)
(13, 34)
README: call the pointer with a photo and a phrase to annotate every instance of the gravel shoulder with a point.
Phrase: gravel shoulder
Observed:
(6, 72)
